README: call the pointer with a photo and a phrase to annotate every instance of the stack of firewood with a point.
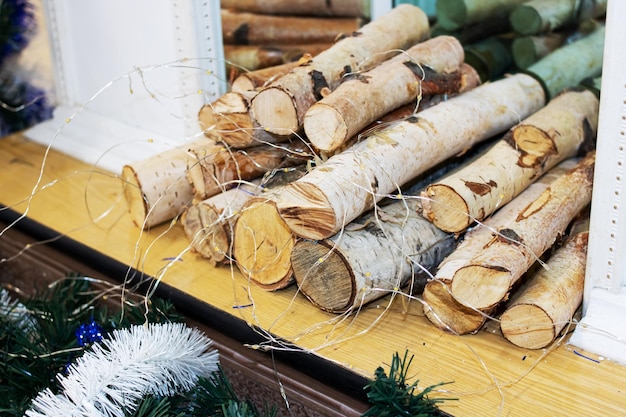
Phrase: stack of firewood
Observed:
(361, 171)
(259, 34)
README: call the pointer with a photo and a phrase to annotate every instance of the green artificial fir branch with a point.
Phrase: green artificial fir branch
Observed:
(392, 396)
(38, 340)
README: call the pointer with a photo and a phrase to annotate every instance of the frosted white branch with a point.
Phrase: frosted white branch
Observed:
(156, 359)
(15, 312)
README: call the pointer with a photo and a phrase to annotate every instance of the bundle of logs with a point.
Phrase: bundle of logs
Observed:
(383, 165)
(260, 34)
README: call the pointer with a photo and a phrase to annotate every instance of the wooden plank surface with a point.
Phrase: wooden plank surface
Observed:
(490, 376)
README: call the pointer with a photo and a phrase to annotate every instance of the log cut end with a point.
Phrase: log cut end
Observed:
(451, 14)
(325, 127)
(306, 211)
(446, 209)
(263, 244)
(323, 276)
(135, 199)
(446, 313)
(527, 326)
(480, 286)
(526, 20)
(274, 110)
(207, 234)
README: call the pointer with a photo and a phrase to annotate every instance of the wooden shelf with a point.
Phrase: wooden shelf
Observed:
(490, 376)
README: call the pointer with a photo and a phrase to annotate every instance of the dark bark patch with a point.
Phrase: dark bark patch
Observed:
(509, 236)
(240, 34)
(319, 84)
(589, 141)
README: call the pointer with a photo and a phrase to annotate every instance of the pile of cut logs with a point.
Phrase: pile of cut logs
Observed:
(383, 164)
(261, 34)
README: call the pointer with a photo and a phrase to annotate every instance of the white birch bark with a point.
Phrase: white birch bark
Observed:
(547, 137)
(156, 188)
(486, 278)
(281, 106)
(536, 315)
(382, 252)
(364, 97)
(441, 308)
(335, 193)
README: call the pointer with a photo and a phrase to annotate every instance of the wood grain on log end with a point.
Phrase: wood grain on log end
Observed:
(137, 205)
(527, 326)
(263, 244)
(480, 286)
(448, 314)
(279, 107)
(306, 211)
(208, 236)
(546, 304)
(323, 276)
(325, 127)
(446, 209)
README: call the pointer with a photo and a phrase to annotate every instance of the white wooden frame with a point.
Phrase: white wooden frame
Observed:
(103, 50)
(602, 328)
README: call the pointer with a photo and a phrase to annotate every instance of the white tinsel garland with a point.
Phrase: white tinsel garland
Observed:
(15, 312)
(157, 359)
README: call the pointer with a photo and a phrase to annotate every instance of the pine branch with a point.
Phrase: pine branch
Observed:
(158, 360)
(391, 395)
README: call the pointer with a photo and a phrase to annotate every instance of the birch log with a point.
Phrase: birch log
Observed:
(281, 106)
(347, 184)
(209, 224)
(544, 16)
(228, 120)
(547, 137)
(242, 28)
(455, 14)
(355, 8)
(213, 172)
(364, 97)
(263, 244)
(537, 315)
(441, 308)
(255, 80)
(385, 250)
(156, 188)
(375, 255)
(255, 57)
(447, 314)
(568, 65)
(468, 80)
(486, 279)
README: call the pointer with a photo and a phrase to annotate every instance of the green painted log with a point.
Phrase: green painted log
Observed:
(455, 14)
(490, 57)
(526, 50)
(569, 65)
(542, 16)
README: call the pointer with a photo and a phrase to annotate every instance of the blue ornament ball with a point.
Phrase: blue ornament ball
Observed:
(88, 333)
